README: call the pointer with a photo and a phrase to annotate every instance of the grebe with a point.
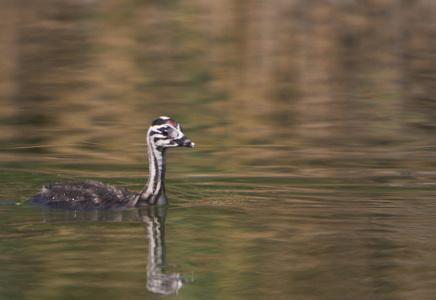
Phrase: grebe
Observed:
(163, 133)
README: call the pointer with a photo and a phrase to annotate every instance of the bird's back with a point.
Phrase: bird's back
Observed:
(84, 195)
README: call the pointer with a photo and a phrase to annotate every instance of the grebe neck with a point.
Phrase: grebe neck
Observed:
(154, 190)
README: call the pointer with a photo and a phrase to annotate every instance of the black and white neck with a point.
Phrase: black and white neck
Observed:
(163, 133)
(154, 191)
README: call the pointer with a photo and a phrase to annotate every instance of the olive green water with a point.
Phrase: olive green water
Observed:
(314, 171)
(228, 237)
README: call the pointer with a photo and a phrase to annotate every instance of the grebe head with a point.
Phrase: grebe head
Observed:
(164, 133)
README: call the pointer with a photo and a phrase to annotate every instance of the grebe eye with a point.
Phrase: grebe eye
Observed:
(165, 132)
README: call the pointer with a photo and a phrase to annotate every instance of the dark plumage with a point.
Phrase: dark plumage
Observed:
(164, 133)
(84, 195)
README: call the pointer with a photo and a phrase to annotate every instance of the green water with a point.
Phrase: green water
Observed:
(228, 237)
(313, 175)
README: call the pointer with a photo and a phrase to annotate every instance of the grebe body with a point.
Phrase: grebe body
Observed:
(163, 133)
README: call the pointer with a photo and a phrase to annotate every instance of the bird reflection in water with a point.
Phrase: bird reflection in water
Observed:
(159, 280)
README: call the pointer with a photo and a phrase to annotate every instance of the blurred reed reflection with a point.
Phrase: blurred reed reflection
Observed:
(83, 78)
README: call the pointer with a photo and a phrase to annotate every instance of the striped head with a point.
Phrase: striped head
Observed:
(165, 133)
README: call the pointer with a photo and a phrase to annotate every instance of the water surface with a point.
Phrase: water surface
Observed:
(236, 237)
(313, 175)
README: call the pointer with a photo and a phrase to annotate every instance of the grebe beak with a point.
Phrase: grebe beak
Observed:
(185, 142)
